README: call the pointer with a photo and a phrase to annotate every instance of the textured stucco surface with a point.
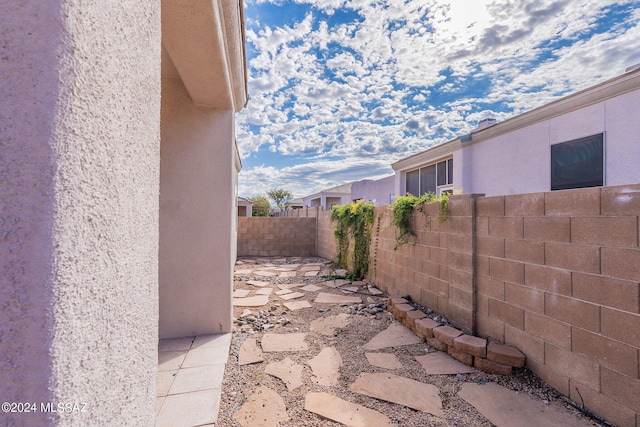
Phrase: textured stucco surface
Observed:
(197, 215)
(79, 230)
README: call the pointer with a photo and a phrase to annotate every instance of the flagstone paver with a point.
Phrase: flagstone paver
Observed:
(504, 407)
(326, 366)
(264, 273)
(245, 272)
(288, 371)
(249, 352)
(439, 363)
(297, 305)
(395, 335)
(291, 295)
(254, 301)
(326, 298)
(384, 360)
(257, 283)
(283, 292)
(285, 274)
(284, 342)
(289, 285)
(264, 291)
(263, 408)
(400, 390)
(241, 293)
(327, 325)
(342, 411)
(310, 288)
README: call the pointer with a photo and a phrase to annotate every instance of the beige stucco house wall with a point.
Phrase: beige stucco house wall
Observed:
(91, 219)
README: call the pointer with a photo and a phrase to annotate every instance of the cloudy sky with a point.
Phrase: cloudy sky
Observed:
(339, 90)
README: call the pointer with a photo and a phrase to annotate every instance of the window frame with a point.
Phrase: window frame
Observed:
(556, 183)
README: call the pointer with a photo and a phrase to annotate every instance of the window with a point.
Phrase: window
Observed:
(436, 178)
(578, 163)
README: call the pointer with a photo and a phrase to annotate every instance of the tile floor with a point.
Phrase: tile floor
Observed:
(190, 372)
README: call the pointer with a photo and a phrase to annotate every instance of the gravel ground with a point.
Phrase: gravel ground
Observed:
(240, 381)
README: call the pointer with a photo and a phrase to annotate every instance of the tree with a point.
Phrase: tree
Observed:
(261, 206)
(280, 196)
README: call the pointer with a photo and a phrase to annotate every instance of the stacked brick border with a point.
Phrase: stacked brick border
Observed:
(491, 357)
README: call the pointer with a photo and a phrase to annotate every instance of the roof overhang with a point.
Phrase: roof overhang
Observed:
(204, 45)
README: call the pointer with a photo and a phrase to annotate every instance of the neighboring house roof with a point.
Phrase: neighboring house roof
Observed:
(242, 200)
(295, 202)
(613, 87)
(344, 189)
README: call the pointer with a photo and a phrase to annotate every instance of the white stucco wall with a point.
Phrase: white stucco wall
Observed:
(379, 190)
(197, 215)
(79, 169)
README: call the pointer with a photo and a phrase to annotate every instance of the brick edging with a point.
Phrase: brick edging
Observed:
(491, 357)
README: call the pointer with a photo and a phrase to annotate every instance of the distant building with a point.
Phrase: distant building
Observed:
(380, 192)
(590, 138)
(326, 199)
(294, 204)
(245, 207)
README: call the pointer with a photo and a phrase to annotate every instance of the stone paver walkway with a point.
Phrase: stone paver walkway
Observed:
(302, 284)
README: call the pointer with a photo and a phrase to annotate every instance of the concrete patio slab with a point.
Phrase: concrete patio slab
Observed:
(170, 360)
(265, 408)
(249, 352)
(344, 412)
(326, 298)
(384, 360)
(297, 305)
(206, 356)
(327, 325)
(395, 335)
(439, 363)
(189, 409)
(164, 381)
(196, 379)
(400, 390)
(254, 301)
(175, 344)
(326, 366)
(504, 407)
(284, 342)
(288, 371)
(219, 341)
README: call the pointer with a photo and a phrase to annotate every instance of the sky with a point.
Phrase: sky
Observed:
(339, 89)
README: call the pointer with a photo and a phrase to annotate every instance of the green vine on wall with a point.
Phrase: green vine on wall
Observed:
(353, 221)
(403, 208)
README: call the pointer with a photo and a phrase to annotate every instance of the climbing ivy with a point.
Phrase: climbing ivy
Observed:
(354, 220)
(403, 208)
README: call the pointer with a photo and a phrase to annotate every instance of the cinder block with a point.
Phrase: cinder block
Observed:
(491, 367)
(490, 246)
(460, 279)
(613, 354)
(461, 297)
(446, 334)
(490, 287)
(554, 331)
(620, 200)
(530, 204)
(583, 258)
(524, 297)
(507, 227)
(621, 263)
(469, 344)
(460, 356)
(524, 250)
(574, 365)
(549, 279)
(618, 294)
(575, 312)
(489, 327)
(532, 347)
(557, 380)
(425, 326)
(462, 243)
(507, 313)
(576, 202)
(437, 344)
(505, 354)
(601, 405)
(621, 388)
(490, 206)
(509, 271)
(439, 287)
(605, 231)
(621, 326)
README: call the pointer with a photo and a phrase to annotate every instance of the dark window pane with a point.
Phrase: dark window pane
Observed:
(442, 173)
(450, 171)
(428, 179)
(578, 163)
(413, 182)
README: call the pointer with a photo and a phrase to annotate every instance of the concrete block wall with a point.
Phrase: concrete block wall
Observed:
(268, 236)
(327, 245)
(558, 276)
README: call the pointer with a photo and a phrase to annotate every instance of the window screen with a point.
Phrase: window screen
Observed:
(578, 163)
(413, 182)
(428, 179)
